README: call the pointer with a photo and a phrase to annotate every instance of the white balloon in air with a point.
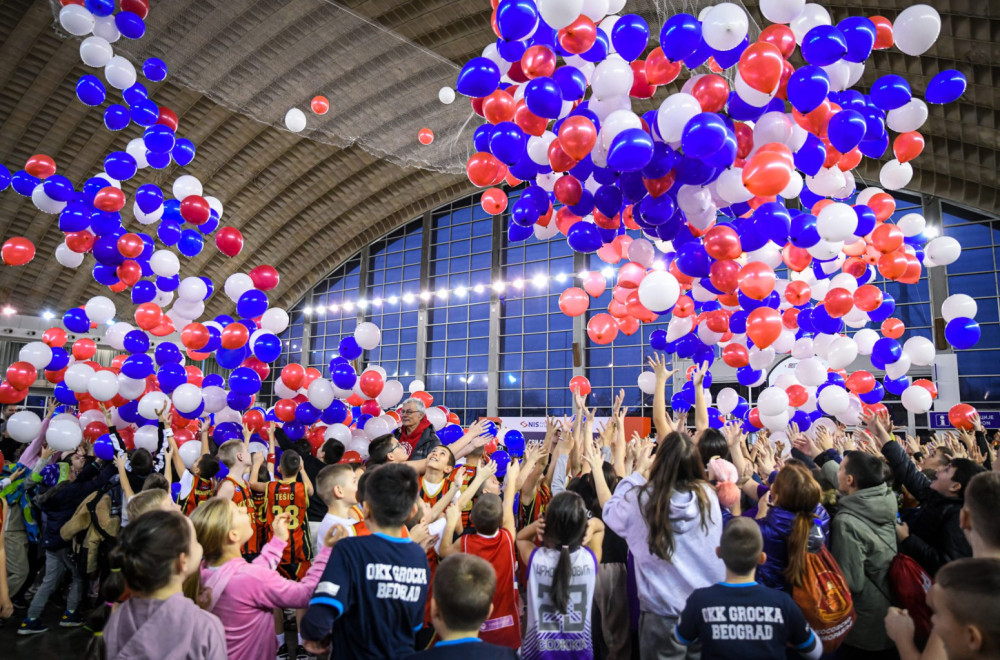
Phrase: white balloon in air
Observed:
(295, 120)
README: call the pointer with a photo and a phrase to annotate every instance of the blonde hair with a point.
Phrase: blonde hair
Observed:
(146, 501)
(228, 451)
(213, 520)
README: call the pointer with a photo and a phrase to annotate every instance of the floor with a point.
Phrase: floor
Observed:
(62, 643)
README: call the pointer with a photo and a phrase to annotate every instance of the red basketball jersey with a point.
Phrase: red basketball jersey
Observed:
(504, 628)
(290, 497)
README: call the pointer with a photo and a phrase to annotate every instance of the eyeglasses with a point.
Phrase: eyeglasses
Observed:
(404, 411)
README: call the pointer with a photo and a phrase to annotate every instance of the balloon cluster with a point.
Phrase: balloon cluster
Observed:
(691, 201)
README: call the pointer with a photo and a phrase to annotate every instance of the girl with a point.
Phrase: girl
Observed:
(562, 578)
(244, 595)
(155, 555)
(793, 523)
(670, 518)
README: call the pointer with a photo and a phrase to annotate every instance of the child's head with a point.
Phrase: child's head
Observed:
(741, 547)
(149, 500)
(463, 594)
(206, 467)
(952, 479)
(487, 514)
(141, 462)
(965, 599)
(337, 483)
(712, 444)
(154, 550)
(231, 454)
(858, 471)
(156, 481)
(290, 464)
(979, 514)
(219, 523)
(441, 458)
(331, 451)
(391, 494)
(385, 449)
(565, 527)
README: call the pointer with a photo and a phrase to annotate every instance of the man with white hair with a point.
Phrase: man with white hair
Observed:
(416, 434)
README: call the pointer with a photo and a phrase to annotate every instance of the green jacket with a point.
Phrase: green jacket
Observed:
(863, 540)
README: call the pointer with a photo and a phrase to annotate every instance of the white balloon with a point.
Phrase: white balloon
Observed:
(391, 394)
(911, 224)
(724, 26)
(659, 291)
(96, 52)
(215, 398)
(775, 423)
(320, 393)
(560, 13)
(751, 96)
(187, 397)
(727, 400)
(612, 78)
(146, 437)
(115, 335)
(150, 404)
(437, 418)
(943, 250)
(803, 348)
(295, 120)
(76, 20)
(144, 218)
(67, 257)
(839, 74)
(834, 400)
(367, 335)
(44, 203)
(227, 414)
(781, 11)
(36, 353)
(772, 401)
(106, 28)
(189, 452)
(416, 386)
(120, 73)
(77, 377)
(538, 147)
(130, 388)
(895, 175)
(812, 16)
(730, 186)
(192, 288)
(236, 285)
(811, 372)
(24, 426)
(185, 186)
(916, 399)
(103, 385)
(275, 320)
(674, 114)
(446, 95)
(836, 222)
(285, 392)
(63, 435)
(375, 427)
(865, 340)
(898, 368)
(959, 305)
(165, 263)
(842, 352)
(760, 358)
(647, 382)
(910, 117)
(920, 350)
(100, 309)
(916, 29)
(491, 53)
(337, 432)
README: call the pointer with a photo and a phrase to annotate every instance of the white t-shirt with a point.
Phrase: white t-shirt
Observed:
(329, 520)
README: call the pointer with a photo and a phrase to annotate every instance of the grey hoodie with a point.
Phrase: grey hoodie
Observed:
(664, 586)
(863, 540)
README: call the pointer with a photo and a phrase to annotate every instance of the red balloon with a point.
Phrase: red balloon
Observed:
(767, 173)
(883, 32)
(641, 87)
(138, 7)
(717, 321)
(660, 70)
(129, 272)
(887, 238)
(10, 395)
(483, 169)
(18, 251)
(796, 258)
(195, 209)
(528, 121)
(371, 407)
(264, 277)
(797, 395)
(254, 420)
(577, 136)
(320, 105)
(194, 375)
(574, 301)
(838, 302)
(284, 410)
(425, 136)
(80, 241)
(235, 335)
(594, 283)
(867, 297)
(684, 307)
(722, 242)
(371, 383)
(927, 385)
(724, 275)
(559, 160)
(893, 264)
(498, 106)
(754, 418)
(764, 326)
(168, 118)
(148, 315)
(790, 318)
(109, 199)
(84, 349)
(779, 36)
(602, 329)
(893, 328)
(494, 201)
(130, 245)
(757, 280)
(568, 190)
(229, 240)
(736, 356)
(40, 166)
(538, 61)
(54, 337)
(631, 274)
(654, 187)
(712, 92)
(94, 430)
(883, 204)
(260, 367)
(960, 415)
(195, 336)
(425, 397)
(579, 385)
(761, 65)
(21, 375)
(578, 36)
(860, 382)
(293, 375)
(312, 373)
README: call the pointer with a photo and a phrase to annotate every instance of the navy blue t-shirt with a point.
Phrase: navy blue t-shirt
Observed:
(465, 649)
(371, 597)
(745, 621)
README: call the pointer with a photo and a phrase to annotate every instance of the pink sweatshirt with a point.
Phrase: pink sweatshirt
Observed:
(254, 591)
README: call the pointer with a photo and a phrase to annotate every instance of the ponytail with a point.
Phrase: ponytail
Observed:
(798, 492)
(798, 548)
(113, 588)
(561, 578)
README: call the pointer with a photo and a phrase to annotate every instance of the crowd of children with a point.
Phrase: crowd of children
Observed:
(705, 543)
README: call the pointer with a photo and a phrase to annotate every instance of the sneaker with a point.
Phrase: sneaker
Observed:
(71, 620)
(31, 627)
(302, 654)
(282, 652)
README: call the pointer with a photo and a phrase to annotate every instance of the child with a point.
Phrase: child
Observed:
(198, 483)
(739, 618)
(158, 551)
(337, 485)
(434, 482)
(235, 455)
(494, 542)
(150, 500)
(371, 597)
(292, 497)
(965, 600)
(244, 595)
(462, 601)
(562, 579)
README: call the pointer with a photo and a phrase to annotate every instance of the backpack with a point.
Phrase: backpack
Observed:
(825, 599)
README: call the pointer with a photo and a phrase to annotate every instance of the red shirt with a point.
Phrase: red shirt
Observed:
(504, 628)
(411, 439)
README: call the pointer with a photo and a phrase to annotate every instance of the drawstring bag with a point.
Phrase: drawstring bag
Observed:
(825, 599)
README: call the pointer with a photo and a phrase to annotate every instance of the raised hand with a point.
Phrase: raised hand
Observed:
(280, 526)
(334, 535)
(699, 374)
(658, 364)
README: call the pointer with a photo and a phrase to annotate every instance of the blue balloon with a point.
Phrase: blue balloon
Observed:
(183, 151)
(230, 358)
(890, 92)
(157, 161)
(885, 310)
(90, 90)
(116, 117)
(803, 232)
(130, 25)
(658, 210)
(267, 347)
(135, 94)
(726, 155)
(24, 184)
(962, 332)
(508, 142)
(159, 139)
(514, 442)
(658, 340)
(100, 7)
(171, 376)
(4, 178)
(727, 58)
(896, 386)
(60, 189)
(104, 449)
(537, 196)
(693, 260)
(230, 431)
(149, 197)
(703, 135)
(609, 200)
(584, 237)
(210, 225)
(344, 376)
(169, 232)
(481, 138)
(516, 18)
(875, 395)
(599, 51)
(244, 380)
(65, 395)
(859, 34)
(584, 206)
(336, 413)
(740, 110)
(680, 36)
(885, 351)
(874, 148)
(138, 366)
(106, 275)
(154, 69)
(144, 112)
(190, 243)
(866, 220)
(699, 56)
(807, 88)
(846, 130)
(479, 77)
(572, 83)
(76, 320)
(823, 45)
(516, 233)
(679, 403)
(450, 433)
(252, 303)
(748, 375)
(544, 98)
(136, 341)
(306, 413)
(631, 150)
(120, 165)
(945, 87)
(629, 36)
(167, 353)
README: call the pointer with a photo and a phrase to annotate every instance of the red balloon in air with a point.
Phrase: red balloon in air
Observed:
(109, 199)
(139, 7)
(21, 375)
(320, 105)
(579, 385)
(860, 382)
(80, 241)
(130, 245)
(757, 280)
(84, 349)
(229, 240)
(494, 201)
(293, 375)
(129, 272)
(764, 326)
(371, 383)
(235, 335)
(168, 118)
(960, 415)
(578, 36)
(195, 336)
(148, 315)
(54, 337)
(577, 136)
(264, 277)
(736, 356)
(838, 302)
(195, 209)
(574, 301)
(284, 410)
(17, 251)
(425, 136)
(40, 166)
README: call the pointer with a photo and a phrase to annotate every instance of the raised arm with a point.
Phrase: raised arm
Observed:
(255, 485)
(449, 545)
(509, 490)
(700, 405)
(661, 422)
(174, 455)
(123, 476)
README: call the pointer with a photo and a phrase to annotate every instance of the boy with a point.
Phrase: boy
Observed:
(462, 601)
(337, 485)
(739, 618)
(440, 462)
(494, 542)
(291, 496)
(965, 600)
(370, 600)
(197, 484)
(235, 455)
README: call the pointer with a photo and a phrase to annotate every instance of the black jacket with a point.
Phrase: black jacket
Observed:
(427, 442)
(62, 503)
(312, 466)
(935, 535)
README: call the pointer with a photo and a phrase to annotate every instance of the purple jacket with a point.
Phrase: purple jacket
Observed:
(170, 629)
(775, 528)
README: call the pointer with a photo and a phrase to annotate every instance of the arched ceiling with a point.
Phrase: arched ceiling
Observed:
(304, 206)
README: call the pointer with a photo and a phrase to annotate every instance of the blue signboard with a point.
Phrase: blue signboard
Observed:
(989, 418)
